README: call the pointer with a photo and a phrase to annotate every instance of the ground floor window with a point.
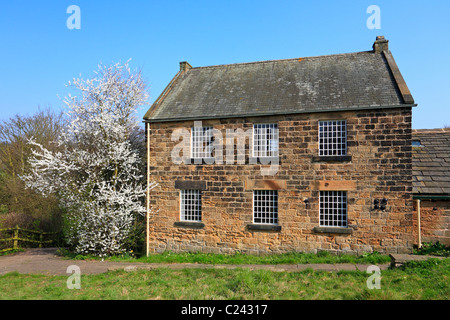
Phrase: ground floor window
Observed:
(265, 206)
(191, 205)
(333, 208)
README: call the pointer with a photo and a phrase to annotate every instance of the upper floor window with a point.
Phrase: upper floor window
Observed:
(265, 140)
(333, 138)
(201, 142)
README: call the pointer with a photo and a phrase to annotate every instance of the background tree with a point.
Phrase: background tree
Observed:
(19, 205)
(95, 169)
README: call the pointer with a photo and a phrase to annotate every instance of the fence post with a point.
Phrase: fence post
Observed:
(16, 237)
(40, 240)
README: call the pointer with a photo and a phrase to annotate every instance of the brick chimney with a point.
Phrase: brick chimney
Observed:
(185, 66)
(380, 44)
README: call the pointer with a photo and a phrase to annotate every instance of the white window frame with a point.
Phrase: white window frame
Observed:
(270, 151)
(338, 130)
(194, 213)
(333, 209)
(270, 210)
(200, 148)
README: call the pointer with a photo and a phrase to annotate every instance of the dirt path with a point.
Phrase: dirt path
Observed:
(46, 261)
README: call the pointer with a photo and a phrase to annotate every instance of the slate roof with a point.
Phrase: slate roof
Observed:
(431, 162)
(361, 80)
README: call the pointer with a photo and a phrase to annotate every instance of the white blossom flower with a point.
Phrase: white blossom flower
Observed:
(95, 171)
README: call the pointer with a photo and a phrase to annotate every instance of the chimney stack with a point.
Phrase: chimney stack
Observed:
(380, 44)
(185, 66)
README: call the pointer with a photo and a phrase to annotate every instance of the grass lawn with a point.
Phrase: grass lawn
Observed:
(417, 281)
(238, 258)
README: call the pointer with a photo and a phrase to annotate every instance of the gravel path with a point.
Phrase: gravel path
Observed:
(46, 261)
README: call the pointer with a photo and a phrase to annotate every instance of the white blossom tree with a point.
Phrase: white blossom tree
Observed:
(95, 171)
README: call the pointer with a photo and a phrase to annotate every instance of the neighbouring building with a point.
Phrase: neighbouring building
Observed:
(431, 185)
(301, 154)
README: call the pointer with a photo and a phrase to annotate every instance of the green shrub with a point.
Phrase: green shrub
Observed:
(426, 267)
(436, 249)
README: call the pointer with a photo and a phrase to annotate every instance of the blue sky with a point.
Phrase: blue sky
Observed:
(39, 54)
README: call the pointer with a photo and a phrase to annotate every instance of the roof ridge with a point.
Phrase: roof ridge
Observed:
(281, 60)
(435, 130)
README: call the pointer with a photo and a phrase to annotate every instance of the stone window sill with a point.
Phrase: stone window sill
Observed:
(189, 224)
(199, 161)
(337, 230)
(263, 227)
(331, 158)
(251, 160)
(263, 160)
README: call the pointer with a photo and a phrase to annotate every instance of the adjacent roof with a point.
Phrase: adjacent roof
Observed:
(431, 162)
(361, 80)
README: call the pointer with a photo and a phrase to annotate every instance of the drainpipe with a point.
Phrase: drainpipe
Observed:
(418, 224)
(148, 186)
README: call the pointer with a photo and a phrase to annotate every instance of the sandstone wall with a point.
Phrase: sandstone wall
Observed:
(379, 143)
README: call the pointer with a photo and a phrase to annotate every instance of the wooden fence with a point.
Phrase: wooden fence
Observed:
(23, 235)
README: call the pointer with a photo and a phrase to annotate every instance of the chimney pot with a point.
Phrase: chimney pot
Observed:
(380, 44)
(185, 66)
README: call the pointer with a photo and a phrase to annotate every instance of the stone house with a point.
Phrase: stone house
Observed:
(301, 154)
(431, 185)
